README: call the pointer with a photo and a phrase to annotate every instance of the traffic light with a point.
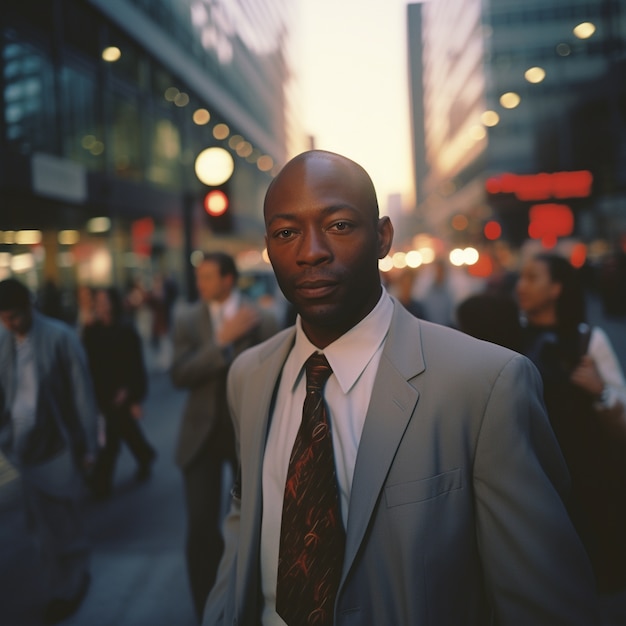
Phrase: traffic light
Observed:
(216, 204)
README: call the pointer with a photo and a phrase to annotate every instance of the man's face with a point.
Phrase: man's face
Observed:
(324, 240)
(535, 290)
(212, 286)
(17, 321)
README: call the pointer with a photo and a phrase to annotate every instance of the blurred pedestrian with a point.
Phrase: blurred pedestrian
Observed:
(612, 283)
(438, 300)
(392, 471)
(160, 299)
(492, 317)
(48, 430)
(84, 307)
(583, 387)
(156, 300)
(207, 336)
(50, 300)
(117, 366)
(402, 289)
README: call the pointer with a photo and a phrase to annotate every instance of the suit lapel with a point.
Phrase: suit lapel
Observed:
(391, 408)
(257, 406)
(205, 323)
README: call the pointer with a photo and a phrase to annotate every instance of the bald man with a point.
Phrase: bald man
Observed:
(450, 483)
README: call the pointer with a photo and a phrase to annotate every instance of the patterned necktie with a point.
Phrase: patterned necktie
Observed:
(312, 537)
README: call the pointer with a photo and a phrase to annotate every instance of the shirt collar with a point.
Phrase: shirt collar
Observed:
(349, 354)
(226, 309)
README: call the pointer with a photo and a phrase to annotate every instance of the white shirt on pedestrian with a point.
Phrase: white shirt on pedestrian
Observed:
(24, 407)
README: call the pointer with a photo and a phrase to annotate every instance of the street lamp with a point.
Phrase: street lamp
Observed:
(214, 166)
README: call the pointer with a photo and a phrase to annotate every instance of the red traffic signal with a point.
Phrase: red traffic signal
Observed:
(216, 202)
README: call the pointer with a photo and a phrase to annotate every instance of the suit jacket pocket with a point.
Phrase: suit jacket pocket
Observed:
(425, 489)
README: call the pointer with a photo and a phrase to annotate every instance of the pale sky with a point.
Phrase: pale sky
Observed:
(354, 86)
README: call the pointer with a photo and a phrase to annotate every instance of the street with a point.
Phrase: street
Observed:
(138, 566)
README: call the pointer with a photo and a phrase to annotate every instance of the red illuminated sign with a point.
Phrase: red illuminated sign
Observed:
(543, 186)
(550, 221)
(141, 235)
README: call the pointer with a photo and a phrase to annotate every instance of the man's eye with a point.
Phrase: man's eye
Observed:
(284, 234)
(341, 226)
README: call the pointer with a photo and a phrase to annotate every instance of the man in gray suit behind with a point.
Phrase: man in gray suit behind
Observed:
(451, 488)
(207, 336)
(48, 429)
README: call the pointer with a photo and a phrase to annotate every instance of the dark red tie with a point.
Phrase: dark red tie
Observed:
(312, 537)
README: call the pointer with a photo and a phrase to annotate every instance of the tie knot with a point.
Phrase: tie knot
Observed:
(318, 371)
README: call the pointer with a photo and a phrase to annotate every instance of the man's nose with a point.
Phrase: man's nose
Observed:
(314, 248)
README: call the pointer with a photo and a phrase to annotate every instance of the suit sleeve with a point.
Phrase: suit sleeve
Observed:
(534, 563)
(220, 599)
(194, 360)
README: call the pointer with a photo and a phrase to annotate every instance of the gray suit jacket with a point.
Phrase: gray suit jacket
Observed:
(66, 418)
(456, 516)
(200, 366)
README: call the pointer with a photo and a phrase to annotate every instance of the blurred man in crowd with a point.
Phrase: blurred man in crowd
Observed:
(207, 336)
(48, 430)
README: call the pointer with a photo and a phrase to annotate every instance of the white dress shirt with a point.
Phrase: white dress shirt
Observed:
(24, 408)
(221, 311)
(608, 365)
(354, 359)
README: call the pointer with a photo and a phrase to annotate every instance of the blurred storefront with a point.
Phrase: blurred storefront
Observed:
(105, 106)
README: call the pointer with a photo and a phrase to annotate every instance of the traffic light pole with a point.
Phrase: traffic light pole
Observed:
(189, 201)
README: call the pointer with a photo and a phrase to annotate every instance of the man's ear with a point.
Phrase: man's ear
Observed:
(385, 236)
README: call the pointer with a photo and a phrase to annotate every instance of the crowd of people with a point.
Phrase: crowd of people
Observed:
(391, 449)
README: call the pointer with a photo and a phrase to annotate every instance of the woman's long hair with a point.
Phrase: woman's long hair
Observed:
(570, 305)
(116, 304)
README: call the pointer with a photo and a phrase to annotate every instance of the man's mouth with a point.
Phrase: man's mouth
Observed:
(314, 289)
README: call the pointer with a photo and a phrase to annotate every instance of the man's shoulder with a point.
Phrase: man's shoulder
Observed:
(5, 338)
(265, 349)
(455, 345)
(53, 327)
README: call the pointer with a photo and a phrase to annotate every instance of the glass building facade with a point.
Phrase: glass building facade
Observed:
(105, 105)
(519, 87)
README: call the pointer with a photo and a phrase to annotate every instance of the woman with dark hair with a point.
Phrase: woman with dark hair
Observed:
(116, 361)
(585, 394)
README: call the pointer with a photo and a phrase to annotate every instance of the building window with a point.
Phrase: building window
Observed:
(164, 152)
(124, 135)
(83, 139)
(29, 110)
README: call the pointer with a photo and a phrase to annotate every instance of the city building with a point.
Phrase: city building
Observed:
(519, 119)
(106, 105)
